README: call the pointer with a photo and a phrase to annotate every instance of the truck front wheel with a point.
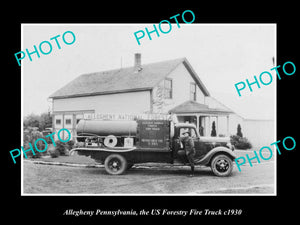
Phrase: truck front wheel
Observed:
(115, 164)
(221, 165)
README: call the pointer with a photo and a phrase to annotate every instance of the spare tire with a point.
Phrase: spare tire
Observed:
(115, 164)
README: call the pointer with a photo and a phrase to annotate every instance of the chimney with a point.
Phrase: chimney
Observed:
(137, 62)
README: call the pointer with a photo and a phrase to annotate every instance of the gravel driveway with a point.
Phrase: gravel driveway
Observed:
(143, 179)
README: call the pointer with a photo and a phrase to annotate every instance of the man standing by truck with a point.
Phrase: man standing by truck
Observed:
(189, 147)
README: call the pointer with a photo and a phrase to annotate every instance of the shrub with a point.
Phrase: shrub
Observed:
(54, 153)
(60, 147)
(70, 144)
(243, 144)
(63, 148)
(30, 136)
(239, 131)
(240, 142)
(30, 154)
(213, 130)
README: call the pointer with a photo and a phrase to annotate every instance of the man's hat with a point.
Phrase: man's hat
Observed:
(186, 132)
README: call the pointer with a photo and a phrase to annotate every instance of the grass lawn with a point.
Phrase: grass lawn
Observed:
(76, 159)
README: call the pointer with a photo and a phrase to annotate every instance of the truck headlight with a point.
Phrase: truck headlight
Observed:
(230, 146)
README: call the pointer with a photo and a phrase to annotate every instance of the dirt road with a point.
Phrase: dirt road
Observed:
(161, 179)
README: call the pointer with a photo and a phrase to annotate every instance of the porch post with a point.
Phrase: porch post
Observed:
(206, 118)
(217, 125)
(197, 115)
(227, 125)
(209, 126)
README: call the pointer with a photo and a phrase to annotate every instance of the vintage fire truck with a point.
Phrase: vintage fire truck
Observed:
(121, 144)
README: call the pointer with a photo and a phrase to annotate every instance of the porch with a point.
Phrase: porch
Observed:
(203, 117)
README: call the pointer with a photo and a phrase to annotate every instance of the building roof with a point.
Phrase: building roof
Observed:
(124, 80)
(195, 107)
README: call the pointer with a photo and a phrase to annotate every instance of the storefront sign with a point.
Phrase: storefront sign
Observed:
(112, 116)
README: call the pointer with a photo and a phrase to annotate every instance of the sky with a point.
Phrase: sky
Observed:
(221, 54)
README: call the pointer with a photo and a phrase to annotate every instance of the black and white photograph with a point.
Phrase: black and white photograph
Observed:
(144, 109)
(132, 113)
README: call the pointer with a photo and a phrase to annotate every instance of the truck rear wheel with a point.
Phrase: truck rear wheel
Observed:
(115, 164)
(221, 165)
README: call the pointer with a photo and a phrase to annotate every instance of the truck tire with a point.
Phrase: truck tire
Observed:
(221, 165)
(115, 164)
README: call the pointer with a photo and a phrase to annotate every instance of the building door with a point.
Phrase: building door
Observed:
(57, 124)
(68, 124)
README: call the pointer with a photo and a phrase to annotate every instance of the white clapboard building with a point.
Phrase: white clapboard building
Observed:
(167, 87)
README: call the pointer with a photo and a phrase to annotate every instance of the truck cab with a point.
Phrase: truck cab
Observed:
(216, 152)
(178, 151)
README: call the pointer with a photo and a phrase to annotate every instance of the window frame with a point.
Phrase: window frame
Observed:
(56, 121)
(168, 90)
(193, 91)
(69, 121)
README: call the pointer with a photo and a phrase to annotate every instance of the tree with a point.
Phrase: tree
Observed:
(213, 130)
(45, 120)
(31, 120)
(41, 121)
(239, 131)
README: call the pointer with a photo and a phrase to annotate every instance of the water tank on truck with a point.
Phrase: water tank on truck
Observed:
(112, 132)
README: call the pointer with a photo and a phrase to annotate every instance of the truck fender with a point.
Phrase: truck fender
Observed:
(206, 159)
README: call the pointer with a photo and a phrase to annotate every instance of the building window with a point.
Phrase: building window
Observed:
(58, 121)
(168, 86)
(193, 96)
(68, 121)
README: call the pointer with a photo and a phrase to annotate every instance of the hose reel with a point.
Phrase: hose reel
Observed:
(110, 141)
